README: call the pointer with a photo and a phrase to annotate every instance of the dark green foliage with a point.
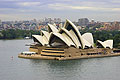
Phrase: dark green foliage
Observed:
(16, 34)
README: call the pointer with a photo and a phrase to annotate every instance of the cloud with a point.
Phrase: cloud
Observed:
(9, 0)
(115, 1)
(62, 0)
(58, 6)
(29, 3)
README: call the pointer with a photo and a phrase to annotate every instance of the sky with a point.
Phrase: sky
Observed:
(99, 10)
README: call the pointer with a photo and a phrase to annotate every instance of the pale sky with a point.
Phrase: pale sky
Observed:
(99, 10)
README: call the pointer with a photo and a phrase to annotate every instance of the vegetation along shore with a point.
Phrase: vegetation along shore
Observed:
(98, 35)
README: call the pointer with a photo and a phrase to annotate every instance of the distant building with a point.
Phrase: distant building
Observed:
(92, 21)
(61, 25)
(110, 26)
(0, 22)
(57, 20)
(1, 28)
(116, 25)
(34, 20)
(48, 20)
(83, 22)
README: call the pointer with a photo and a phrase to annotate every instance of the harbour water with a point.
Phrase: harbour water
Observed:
(14, 68)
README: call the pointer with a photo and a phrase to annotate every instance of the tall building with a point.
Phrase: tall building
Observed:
(83, 22)
(34, 20)
(116, 25)
(1, 28)
(57, 20)
(92, 21)
(0, 21)
(48, 20)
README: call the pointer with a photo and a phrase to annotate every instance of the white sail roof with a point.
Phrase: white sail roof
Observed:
(62, 37)
(38, 38)
(72, 36)
(52, 28)
(46, 34)
(67, 38)
(88, 39)
(75, 31)
(44, 38)
(41, 39)
(107, 43)
(75, 38)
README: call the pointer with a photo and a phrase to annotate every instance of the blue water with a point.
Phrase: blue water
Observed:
(14, 68)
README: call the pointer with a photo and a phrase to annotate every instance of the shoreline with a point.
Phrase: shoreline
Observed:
(16, 39)
(38, 56)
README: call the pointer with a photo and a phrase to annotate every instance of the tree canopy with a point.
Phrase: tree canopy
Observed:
(16, 34)
(98, 35)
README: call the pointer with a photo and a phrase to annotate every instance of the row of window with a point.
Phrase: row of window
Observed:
(28, 54)
(92, 53)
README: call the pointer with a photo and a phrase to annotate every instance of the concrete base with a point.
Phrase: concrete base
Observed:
(38, 56)
(68, 53)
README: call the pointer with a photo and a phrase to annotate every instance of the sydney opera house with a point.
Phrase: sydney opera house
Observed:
(67, 43)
